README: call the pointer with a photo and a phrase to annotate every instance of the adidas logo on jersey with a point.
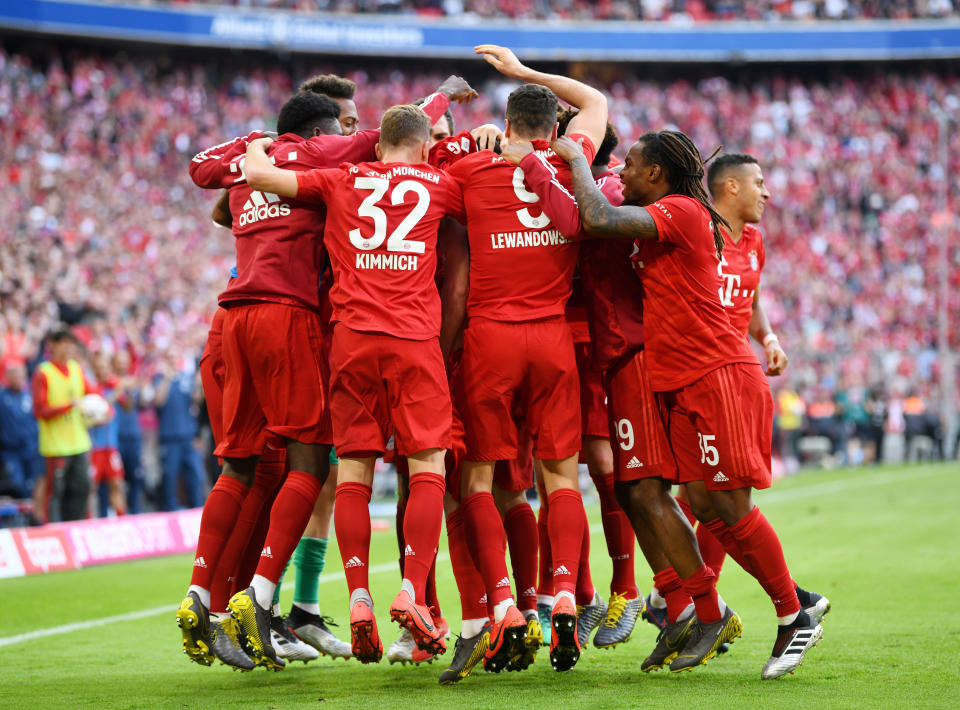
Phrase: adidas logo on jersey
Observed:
(262, 205)
(354, 562)
(530, 592)
(505, 582)
(720, 478)
(200, 562)
(483, 599)
(408, 552)
(267, 552)
(562, 569)
(634, 463)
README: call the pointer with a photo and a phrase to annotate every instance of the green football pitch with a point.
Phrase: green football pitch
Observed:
(880, 543)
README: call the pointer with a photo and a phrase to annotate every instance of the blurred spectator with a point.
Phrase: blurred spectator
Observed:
(855, 422)
(824, 418)
(175, 398)
(58, 386)
(791, 410)
(21, 461)
(105, 458)
(129, 437)
(876, 407)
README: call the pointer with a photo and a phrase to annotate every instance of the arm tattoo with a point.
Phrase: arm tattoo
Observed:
(600, 217)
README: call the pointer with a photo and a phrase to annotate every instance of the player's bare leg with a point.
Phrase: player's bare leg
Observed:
(487, 541)
(567, 526)
(118, 497)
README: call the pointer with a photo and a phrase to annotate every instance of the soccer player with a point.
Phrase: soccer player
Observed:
(387, 369)
(271, 235)
(105, 442)
(518, 348)
(709, 386)
(342, 91)
(644, 466)
(58, 385)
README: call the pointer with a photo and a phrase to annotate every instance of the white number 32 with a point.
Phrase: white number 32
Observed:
(368, 208)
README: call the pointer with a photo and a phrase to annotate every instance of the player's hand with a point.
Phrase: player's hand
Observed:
(776, 359)
(515, 152)
(457, 89)
(567, 148)
(260, 143)
(502, 59)
(487, 136)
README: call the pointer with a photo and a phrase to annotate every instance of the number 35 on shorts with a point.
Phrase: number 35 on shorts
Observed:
(708, 453)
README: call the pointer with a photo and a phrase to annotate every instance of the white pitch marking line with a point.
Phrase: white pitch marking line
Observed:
(133, 615)
(877, 479)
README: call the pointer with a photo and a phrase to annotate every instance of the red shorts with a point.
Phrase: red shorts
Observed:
(643, 449)
(593, 400)
(721, 427)
(107, 465)
(380, 385)
(274, 385)
(211, 374)
(526, 366)
(517, 474)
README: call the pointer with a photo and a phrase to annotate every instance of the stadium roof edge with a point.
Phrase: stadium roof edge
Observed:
(378, 35)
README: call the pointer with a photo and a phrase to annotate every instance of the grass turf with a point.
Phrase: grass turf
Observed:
(880, 543)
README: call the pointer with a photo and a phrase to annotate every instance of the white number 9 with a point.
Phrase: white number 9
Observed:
(524, 195)
(625, 433)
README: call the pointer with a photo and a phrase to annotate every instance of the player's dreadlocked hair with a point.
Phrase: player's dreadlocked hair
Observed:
(336, 87)
(677, 155)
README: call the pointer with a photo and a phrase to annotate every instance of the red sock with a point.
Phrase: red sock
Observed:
(421, 529)
(702, 588)
(217, 520)
(473, 597)
(267, 480)
(352, 522)
(713, 546)
(585, 588)
(671, 589)
(545, 575)
(567, 525)
(619, 536)
(520, 525)
(288, 519)
(687, 511)
(762, 550)
(488, 544)
(251, 556)
(430, 596)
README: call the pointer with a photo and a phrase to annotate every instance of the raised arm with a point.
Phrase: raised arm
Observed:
(763, 333)
(264, 176)
(592, 119)
(597, 214)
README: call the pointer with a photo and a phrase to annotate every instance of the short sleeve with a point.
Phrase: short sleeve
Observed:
(315, 185)
(679, 220)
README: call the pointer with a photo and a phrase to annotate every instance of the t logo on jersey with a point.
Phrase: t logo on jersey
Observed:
(262, 205)
(731, 285)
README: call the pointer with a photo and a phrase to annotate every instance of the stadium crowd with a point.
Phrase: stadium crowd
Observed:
(679, 11)
(104, 231)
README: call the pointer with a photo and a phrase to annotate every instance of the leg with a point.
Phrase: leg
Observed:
(77, 487)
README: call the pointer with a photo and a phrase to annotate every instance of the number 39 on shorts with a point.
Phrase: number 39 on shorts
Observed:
(708, 454)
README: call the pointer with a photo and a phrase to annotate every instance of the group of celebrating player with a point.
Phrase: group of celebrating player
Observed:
(444, 321)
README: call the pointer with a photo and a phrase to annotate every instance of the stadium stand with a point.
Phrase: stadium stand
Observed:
(104, 229)
(671, 10)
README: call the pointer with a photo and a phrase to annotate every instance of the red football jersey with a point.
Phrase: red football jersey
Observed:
(612, 294)
(278, 239)
(740, 270)
(451, 149)
(521, 265)
(686, 329)
(381, 234)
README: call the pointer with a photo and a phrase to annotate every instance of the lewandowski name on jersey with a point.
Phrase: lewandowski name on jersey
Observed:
(513, 240)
